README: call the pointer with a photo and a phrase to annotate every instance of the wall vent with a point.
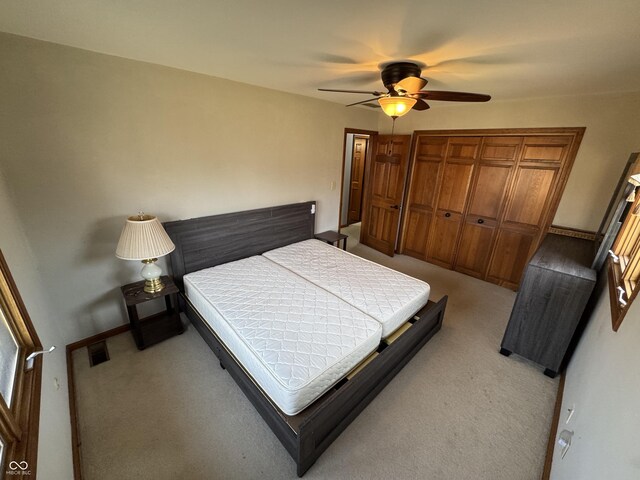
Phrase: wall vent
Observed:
(98, 353)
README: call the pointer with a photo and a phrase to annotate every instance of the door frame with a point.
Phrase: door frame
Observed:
(355, 131)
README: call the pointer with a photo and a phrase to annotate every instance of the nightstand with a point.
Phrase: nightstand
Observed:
(150, 330)
(333, 238)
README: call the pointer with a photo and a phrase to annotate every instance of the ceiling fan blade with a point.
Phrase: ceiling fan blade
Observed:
(364, 101)
(377, 94)
(452, 96)
(410, 84)
(420, 105)
(341, 59)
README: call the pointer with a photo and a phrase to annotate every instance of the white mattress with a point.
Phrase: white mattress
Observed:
(388, 296)
(295, 339)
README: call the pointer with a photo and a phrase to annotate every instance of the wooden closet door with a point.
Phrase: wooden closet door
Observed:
(462, 153)
(528, 212)
(426, 171)
(383, 193)
(493, 176)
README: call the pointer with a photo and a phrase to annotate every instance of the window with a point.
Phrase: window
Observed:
(19, 382)
(624, 262)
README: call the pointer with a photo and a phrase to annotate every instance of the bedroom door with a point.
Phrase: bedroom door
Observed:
(358, 159)
(384, 189)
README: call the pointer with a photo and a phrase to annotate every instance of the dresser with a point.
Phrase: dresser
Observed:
(552, 297)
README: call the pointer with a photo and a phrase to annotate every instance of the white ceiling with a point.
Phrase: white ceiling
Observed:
(506, 48)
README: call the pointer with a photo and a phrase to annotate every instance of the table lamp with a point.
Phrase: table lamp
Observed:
(143, 238)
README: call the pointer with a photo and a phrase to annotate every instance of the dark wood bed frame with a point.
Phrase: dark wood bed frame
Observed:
(209, 241)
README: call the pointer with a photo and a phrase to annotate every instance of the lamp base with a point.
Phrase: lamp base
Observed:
(154, 285)
(151, 273)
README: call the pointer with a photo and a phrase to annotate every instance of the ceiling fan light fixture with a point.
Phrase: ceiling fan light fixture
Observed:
(396, 106)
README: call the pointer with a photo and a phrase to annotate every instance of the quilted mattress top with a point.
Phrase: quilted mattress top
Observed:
(388, 296)
(295, 330)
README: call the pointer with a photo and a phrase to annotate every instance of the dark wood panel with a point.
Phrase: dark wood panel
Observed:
(210, 241)
(553, 294)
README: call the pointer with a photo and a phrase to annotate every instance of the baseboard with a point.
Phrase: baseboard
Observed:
(99, 337)
(573, 232)
(75, 437)
(546, 472)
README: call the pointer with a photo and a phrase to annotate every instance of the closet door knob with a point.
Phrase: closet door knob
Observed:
(481, 221)
(447, 214)
(396, 207)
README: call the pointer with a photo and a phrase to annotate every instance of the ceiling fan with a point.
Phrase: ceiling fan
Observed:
(404, 85)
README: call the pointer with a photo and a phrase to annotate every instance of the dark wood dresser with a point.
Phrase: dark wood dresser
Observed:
(553, 294)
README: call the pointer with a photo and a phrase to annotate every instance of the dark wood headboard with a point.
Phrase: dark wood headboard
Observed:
(209, 241)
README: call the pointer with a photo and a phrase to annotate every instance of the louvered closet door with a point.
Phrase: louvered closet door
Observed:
(426, 170)
(460, 160)
(493, 176)
(528, 210)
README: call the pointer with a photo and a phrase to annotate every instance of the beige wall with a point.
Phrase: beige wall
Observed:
(54, 452)
(603, 386)
(603, 379)
(613, 133)
(89, 139)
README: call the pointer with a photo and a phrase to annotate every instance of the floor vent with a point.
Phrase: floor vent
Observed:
(98, 353)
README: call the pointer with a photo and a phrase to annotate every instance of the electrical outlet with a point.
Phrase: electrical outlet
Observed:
(564, 440)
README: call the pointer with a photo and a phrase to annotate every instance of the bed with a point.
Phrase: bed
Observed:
(248, 277)
(295, 338)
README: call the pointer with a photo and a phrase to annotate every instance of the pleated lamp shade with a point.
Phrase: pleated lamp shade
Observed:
(143, 238)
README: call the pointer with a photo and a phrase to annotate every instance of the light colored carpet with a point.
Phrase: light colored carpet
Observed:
(458, 410)
(353, 231)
